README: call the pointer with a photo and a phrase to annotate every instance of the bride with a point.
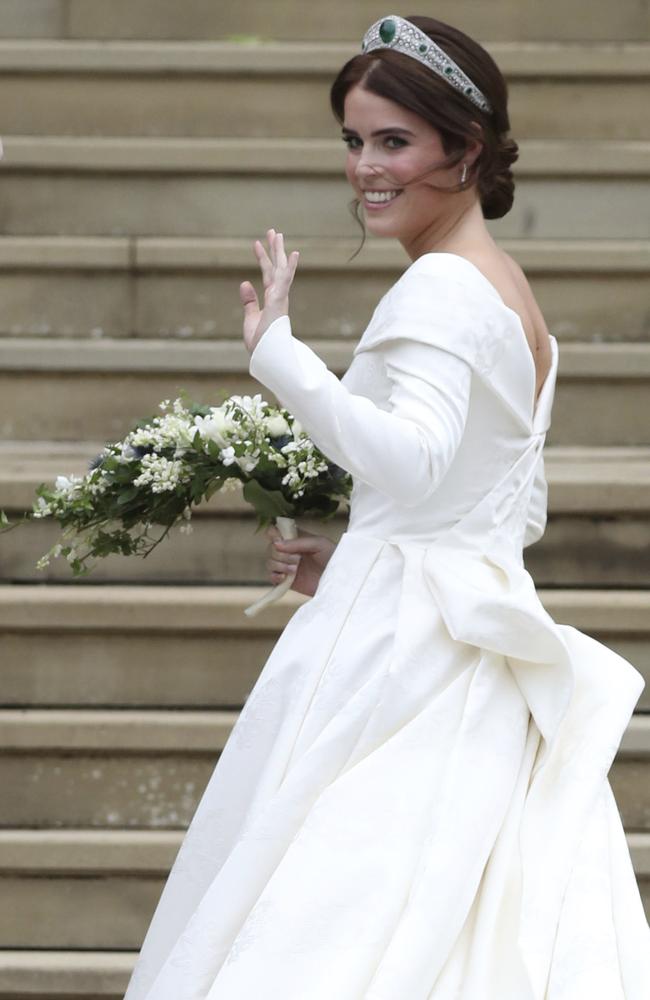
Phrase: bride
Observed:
(413, 803)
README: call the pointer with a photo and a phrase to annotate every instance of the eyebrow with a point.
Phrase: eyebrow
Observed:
(379, 131)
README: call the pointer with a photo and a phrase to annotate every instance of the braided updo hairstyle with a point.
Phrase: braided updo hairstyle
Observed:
(402, 79)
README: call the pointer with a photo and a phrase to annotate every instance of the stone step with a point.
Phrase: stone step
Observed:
(184, 288)
(64, 646)
(57, 877)
(587, 480)
(237, 188)
(159, 19)
(556, 89)
(36, 974)
(597, 534)
(70, 768)
(276, 157)
(96, 389)
(606, 550)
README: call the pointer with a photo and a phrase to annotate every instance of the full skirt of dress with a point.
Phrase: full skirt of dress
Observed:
(387, 820)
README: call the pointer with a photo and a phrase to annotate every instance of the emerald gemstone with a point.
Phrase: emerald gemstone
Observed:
(387, 31)
(468, 90)
(423, 47)
(449, 69)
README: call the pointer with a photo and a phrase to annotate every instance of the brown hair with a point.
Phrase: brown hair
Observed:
(404, 80)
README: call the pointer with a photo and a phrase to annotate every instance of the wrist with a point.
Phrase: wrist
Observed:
(276, 324)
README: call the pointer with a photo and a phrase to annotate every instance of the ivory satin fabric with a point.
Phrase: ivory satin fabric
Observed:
(414, 803)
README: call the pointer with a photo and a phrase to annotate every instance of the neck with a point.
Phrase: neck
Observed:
(461, 228)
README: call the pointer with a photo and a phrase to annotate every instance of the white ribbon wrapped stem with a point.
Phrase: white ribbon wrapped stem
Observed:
(288, 530)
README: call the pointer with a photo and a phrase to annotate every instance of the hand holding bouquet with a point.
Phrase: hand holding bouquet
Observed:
(170, 463)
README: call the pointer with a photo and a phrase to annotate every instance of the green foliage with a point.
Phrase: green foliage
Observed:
(268, 504)
(168, 465)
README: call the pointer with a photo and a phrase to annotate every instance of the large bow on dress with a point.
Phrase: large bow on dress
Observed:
(580, 693)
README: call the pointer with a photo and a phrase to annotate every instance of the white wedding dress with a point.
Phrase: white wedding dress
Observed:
(414, 803)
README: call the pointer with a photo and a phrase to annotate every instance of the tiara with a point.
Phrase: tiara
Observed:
(397, 33)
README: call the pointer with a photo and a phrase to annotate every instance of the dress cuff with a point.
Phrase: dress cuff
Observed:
(270, 349)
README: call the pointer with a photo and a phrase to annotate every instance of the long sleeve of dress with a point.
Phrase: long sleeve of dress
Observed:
(403, 452)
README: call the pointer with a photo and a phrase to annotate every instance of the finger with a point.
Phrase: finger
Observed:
(283, 277)
(263, 259)
(276, 566)
(306, 544)
(280, 255)
(289, 268)
(280, 565)
(270, 235)
(277, 577)
(283, 554)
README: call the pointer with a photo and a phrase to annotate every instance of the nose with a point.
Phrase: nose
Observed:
(365, 169)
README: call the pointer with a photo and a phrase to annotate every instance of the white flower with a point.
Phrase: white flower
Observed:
(172, 430)
(97, 483)
(127, 453)
(247, 462)
(296, 428)
(161, 474)
(252, 405)
(215, 427)
(247, 402)
(276, 426)
(41, 508)
(67, 484)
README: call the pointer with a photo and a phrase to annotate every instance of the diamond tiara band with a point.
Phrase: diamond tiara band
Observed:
(397, 33)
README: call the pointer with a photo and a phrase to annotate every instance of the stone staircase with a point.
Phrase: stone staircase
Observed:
(126, 229)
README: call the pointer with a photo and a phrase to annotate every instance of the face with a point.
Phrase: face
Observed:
(387, 147)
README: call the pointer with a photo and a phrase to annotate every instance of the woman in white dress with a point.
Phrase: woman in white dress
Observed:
(414, 803)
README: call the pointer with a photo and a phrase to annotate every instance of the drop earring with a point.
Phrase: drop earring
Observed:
(463, 176)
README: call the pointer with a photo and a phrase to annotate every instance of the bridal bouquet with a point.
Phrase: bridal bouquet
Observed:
(170, 463)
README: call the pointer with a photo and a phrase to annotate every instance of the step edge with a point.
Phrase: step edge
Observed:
(556, 158)
(516, 59)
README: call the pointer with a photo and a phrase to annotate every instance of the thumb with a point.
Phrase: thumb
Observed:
(248, 297)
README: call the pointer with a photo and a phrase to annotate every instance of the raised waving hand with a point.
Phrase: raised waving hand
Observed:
(277, 276)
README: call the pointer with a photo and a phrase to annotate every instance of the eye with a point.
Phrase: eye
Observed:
(350, 139)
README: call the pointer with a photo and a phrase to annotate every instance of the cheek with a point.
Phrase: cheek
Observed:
(350, 170)
(409, 165)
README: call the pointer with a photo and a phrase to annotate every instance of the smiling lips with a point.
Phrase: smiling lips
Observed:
(379, 199)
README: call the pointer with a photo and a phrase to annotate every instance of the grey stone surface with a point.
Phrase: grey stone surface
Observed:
(231, 206)
(130, 103)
